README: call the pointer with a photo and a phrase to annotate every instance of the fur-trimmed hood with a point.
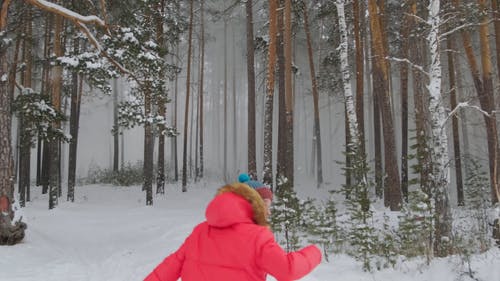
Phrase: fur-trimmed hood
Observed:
(236, 203)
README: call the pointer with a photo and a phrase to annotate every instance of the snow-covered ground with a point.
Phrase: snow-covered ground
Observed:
(109, 234)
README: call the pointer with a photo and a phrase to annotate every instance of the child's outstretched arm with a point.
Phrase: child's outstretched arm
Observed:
(286, 266)
(170, 268)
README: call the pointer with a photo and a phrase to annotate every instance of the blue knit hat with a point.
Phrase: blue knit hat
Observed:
(264, 191)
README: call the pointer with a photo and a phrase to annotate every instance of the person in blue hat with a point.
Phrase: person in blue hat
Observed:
(264, 191)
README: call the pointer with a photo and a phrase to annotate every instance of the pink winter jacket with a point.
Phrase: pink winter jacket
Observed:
(231, 245)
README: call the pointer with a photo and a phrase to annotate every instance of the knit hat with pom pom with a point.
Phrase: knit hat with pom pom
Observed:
(264, 191)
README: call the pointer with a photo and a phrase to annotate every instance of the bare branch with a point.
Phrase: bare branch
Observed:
(459, 28)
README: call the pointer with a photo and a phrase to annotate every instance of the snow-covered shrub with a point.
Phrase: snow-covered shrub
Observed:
(128, 174)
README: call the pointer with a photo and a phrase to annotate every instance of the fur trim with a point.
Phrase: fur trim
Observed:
(252, 196)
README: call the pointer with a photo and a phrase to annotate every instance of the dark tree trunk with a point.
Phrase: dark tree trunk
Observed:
(76, 96)
(358, 16)
(268, 109)
(405, 30)
(348, 152)
(10, 234)
(148, 148)
(224, 141)
(392, 187)
(116, 129)
(45, 167)
(55, 160)
(317, 130)
(456, 136)
(39, 145)
(280, 54)
(24, 140)
(160, 177)
(186, 109)
(252, 163)
(202, 68)
(174, 139)
(287, 39)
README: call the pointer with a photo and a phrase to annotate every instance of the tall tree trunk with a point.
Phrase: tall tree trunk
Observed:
(418, 56)
(496, 16)
(186, 109)
(235, 117)
(9, 234)
(54, 145)
(174, 139)
(224, 141)
(76, 98)
(484, 89)
(268, 113)
(348, 150)
(403, 70)
(360, 108)
(160, 177)
(25, 141)
(317, 130)
(443, 223)
(44, 162)
(392, 187)
(162, 100)
(456, 136)
(280, 54)
(487, 101)
(116, 129)
(252, 162)
(148, 146)
(377, 130)
(289, 172)
(202, 68)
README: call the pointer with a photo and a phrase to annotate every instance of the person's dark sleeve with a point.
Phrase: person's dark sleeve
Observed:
(285, 266)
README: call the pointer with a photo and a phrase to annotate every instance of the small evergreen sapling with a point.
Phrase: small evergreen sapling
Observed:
(416, 225)
(286, 217)
(322, 226)
(477, 202)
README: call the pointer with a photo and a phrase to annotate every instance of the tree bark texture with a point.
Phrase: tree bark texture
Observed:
(54, 144)
(186, 108)
(289, 172)
(268, 114)
(455, 130)
(317, 129)
(252, 162)
(392, 187)
(280, 51)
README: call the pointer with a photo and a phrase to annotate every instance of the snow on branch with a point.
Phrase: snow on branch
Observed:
(60, 10)
(415, 66)
(466, 105)
(80, 21)
(460, 28)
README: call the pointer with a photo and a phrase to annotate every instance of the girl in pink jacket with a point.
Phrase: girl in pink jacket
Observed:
(235, 244)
